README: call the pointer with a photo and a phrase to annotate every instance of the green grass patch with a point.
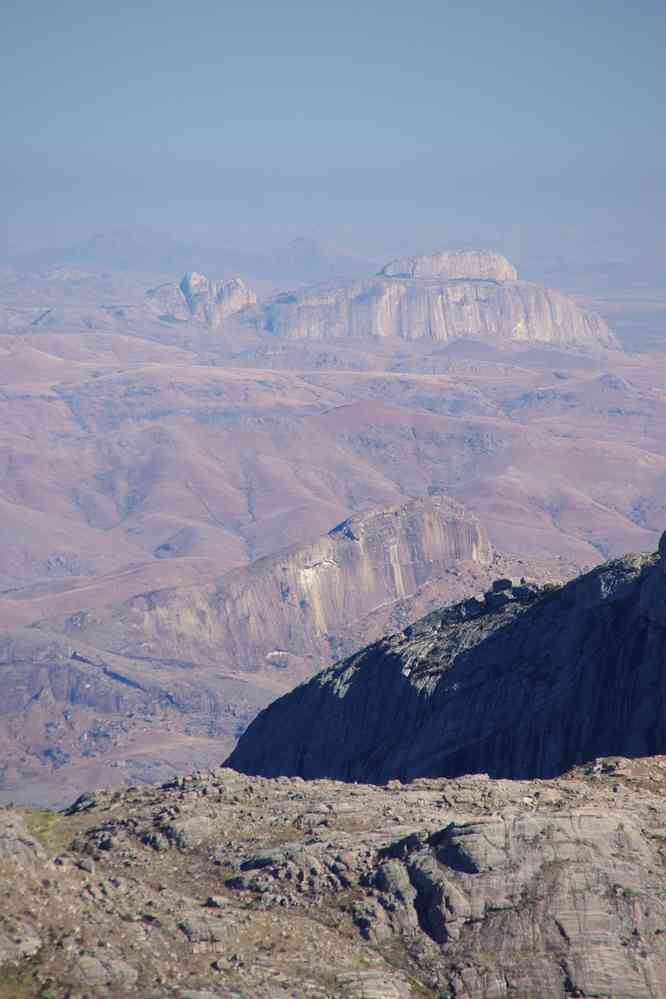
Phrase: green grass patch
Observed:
(47, 827)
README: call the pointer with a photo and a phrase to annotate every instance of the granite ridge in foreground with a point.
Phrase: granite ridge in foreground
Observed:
(223, 886)
(522, 682)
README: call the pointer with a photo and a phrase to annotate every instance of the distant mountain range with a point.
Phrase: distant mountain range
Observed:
(300, 261)
(306, 260)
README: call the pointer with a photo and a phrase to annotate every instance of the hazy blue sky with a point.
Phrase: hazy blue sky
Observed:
(371, 124)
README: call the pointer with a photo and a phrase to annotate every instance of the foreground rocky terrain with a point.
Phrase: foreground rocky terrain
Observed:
(522, 681)
(221, 885)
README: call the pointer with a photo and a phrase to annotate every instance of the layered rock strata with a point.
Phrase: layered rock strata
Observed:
(521, 682)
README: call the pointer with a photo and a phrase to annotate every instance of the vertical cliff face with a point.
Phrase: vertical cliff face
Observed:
(523, 682)
(443, 297)
(306, 605)
(199, 298)
(306, 601)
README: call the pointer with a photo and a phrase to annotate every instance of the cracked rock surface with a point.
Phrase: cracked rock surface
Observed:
(223, 885)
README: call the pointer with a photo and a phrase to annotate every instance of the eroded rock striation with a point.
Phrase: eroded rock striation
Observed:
(520, 682)
(197, 297)
(290, 610)
(443, 297)
(218, 885)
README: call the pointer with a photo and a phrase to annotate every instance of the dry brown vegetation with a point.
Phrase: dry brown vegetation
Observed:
(220, 885)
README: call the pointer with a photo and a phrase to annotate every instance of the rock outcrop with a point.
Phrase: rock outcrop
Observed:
(289, 611)
(463, 265)
(521, 682)
(167, 674)
(444, 297)
(199, 298)
(217, 885)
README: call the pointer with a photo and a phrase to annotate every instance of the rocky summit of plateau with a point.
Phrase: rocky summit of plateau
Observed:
(461, 265)
(522, 681)
(443, 297)
(198, 298)
(223, 886)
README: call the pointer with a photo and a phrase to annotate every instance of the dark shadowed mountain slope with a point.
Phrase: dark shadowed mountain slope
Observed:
(524, 683)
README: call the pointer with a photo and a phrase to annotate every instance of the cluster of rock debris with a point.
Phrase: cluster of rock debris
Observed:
(503, 591)
(220, 885)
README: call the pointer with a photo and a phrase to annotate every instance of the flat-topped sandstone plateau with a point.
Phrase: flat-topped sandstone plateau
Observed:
(443, 297)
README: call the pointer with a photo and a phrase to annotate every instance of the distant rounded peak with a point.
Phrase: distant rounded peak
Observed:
(194, 281)
(197, 283)
(454, 265)
(235, 283)
(235, 294)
